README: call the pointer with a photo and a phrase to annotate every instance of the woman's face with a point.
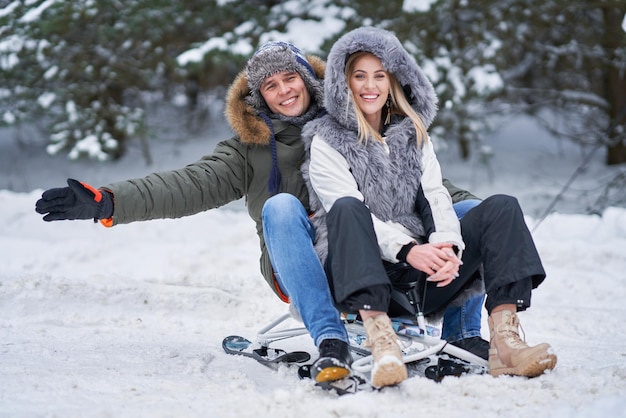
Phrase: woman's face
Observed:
(370, 87)
(285, 93)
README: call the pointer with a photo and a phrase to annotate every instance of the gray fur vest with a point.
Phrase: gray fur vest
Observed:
(389, 181)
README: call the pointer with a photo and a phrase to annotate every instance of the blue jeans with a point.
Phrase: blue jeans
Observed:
(289, 237)
(463, 321)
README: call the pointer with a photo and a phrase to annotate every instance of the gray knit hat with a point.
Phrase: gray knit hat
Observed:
(274, 57)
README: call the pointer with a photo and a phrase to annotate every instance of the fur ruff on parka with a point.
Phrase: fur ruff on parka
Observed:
(389, 188)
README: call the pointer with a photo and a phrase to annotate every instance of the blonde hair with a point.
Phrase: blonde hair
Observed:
(398, 105)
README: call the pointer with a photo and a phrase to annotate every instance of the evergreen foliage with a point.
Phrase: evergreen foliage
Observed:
(85, 71)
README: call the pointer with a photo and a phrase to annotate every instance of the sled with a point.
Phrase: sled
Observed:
(423, 350)
(420, 342)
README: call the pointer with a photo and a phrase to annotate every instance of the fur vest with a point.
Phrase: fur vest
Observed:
(389, 181)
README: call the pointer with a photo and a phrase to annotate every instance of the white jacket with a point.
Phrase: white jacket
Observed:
(331, 178)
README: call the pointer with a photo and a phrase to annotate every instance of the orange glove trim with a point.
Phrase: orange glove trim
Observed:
(108, 223)
(97, 193)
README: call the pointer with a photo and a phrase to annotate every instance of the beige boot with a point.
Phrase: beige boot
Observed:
(509, 354)
(388, 368)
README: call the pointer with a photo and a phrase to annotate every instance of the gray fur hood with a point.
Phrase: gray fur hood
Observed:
(394, 58)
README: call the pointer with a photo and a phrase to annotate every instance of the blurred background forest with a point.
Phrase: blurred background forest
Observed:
(89, 76)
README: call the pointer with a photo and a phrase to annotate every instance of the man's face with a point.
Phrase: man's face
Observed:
(285, 93)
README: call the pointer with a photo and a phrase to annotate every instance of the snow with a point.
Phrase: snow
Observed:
(323, 18)
(417, 5)
(486, 79)
(8, 9)
(305, 33)
(10, 43)
(197, 54)
(46, 99)
(128, 321)
(34, 14)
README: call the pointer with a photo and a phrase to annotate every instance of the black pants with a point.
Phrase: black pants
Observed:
(495, 235)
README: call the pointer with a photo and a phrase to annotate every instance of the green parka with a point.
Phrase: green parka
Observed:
(238, 167)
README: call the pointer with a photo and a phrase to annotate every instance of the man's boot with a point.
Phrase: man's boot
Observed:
(388, 368)
(509, 354)
(334, 361)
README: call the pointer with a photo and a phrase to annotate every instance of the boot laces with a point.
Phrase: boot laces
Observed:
(384, 340)
(510, 330)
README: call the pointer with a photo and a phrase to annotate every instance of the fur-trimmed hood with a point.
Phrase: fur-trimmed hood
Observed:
(243, 118)
(394, 58)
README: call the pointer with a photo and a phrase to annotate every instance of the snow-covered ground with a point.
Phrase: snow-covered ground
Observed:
(128, 322)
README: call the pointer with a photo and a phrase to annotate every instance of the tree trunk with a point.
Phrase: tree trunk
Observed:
(615, 86)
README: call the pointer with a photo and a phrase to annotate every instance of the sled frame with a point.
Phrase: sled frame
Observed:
(415, 347)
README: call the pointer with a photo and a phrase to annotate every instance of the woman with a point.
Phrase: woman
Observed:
(376, 184)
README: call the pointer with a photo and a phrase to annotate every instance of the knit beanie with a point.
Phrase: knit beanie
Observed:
(271, 58)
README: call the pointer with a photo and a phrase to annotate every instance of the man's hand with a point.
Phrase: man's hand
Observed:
(78, 201)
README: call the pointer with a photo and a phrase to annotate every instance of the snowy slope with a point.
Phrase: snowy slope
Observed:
(128, 322)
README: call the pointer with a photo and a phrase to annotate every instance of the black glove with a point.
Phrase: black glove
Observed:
(78, 201)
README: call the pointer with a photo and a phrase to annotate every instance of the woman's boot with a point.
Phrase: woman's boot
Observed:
(388, 368)
(509, 354)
